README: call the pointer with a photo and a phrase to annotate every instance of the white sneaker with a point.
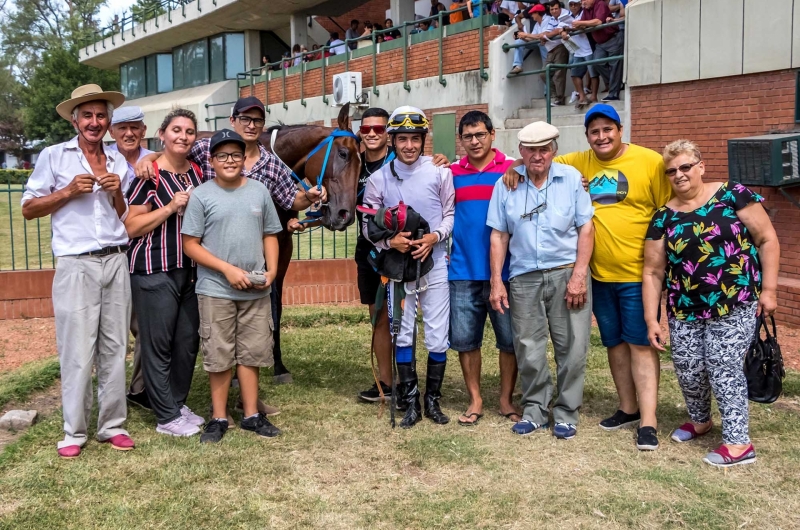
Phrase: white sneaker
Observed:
(573, 98)
(191, 417)
(587, 90)
(178, 427)
(554, 103)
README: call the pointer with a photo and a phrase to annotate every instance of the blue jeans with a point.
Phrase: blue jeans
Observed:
(619, 311)
(519, 53)
(469, 306)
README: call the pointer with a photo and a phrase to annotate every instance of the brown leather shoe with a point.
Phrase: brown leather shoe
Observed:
(262, 407)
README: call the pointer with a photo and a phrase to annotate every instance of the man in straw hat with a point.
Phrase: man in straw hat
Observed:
(78, 184)
(546, 225)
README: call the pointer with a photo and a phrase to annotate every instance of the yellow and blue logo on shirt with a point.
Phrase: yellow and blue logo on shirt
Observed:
(608, 186)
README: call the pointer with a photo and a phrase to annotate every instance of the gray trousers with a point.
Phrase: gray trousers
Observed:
(169, 324)
(611, 73)
(558, 78)
(92, 306)
(137, 380)
(537, 306)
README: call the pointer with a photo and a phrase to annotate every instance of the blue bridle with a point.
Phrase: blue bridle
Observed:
(327, 143)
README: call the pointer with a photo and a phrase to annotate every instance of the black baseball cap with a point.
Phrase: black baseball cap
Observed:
(245, 104)
(223, 137)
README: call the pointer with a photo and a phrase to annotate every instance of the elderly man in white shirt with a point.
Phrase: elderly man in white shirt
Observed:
(78, 184)
(128, 129)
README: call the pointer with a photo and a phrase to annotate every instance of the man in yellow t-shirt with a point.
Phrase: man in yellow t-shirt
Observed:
(627, 184)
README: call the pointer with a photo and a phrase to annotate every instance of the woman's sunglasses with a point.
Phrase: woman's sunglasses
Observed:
(684, 168)
(379, 129)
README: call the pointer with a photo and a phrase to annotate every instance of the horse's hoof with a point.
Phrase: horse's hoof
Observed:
(283, 379)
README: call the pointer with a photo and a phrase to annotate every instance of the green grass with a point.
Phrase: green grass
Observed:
(27, 242)
(319, 243)
(27, 379)
(339, 465)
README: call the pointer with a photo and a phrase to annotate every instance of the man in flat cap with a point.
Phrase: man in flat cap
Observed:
(78, 184)
(546, 226)
(128, 130)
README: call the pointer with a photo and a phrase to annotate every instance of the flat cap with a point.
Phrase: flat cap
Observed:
(537, 134)
(127, 114)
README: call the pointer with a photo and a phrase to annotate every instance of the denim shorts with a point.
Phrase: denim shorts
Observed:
(619, 312)
(579, 70)
(469, 306)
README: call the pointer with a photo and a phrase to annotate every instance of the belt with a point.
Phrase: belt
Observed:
(567, 266)
(104, 251)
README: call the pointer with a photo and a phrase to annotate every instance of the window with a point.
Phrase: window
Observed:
(164, 72)
(132, 79)
(234, 54)
(195, 58)
(217, 59)
(151, 76)
(177, 68)
(146, 76)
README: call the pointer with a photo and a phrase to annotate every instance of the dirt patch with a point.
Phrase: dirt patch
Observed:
(45, 403)
(26, 340)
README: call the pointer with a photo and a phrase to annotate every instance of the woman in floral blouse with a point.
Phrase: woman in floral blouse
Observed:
(719, 252)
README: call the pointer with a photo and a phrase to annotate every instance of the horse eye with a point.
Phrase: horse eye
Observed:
(343, 154)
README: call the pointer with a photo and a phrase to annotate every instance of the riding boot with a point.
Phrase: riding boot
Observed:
(410, 394)
(433, 392)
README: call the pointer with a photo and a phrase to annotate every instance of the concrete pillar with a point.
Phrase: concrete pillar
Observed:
(402, 11)
(299, 27)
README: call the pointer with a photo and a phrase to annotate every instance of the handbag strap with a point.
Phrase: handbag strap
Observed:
(763, 320)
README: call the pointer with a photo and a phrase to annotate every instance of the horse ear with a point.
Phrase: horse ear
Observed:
(344, 117)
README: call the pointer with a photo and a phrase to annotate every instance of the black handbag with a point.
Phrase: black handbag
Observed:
(763, 365)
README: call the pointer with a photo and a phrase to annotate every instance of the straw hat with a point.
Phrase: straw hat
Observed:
(86, 93)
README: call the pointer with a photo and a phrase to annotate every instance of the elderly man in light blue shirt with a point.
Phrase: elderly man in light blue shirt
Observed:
(546, 225)
(128, 129)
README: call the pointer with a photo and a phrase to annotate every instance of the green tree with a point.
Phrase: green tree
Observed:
(12, 132)
(146, 9)
(53, 81)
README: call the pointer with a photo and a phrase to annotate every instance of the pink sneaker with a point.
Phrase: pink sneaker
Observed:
(121, 442)
(70, 451)
(178, 427)
(191, 417)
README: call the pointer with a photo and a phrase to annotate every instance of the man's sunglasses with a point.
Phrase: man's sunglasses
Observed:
(684, 168)
(379, 129)
(409, 119)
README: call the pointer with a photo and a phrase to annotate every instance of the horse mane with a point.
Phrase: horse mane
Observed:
(283, 127)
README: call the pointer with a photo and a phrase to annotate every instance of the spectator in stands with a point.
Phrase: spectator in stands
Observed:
(317, 56)
(297, 56)
(582, 52)
(162, 277)
(710, 326)
(437, 6)
(550, 217)
(469, 274)
(609, 42)
(366, 36)
(533, 38)
(337, 45)
(507, 10)
(287, 60)
(557, 53)
(351, 34)
(627, 184)
(81, 185)
(475, 8)
(388, 23)
(380, 36)
(458, 16)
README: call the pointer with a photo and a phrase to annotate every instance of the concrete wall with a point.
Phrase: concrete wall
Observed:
(684, 40)
(28, 294)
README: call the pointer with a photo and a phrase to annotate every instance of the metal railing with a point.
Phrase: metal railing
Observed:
(24, 245)
(549, 67)
(271, 70)
(215, 118)
(319, 243)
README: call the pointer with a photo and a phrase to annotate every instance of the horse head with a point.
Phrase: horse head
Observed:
(339, 174)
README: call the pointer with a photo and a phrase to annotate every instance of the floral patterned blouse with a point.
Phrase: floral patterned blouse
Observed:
(712, 262)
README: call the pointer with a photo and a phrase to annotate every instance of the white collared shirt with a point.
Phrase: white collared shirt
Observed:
(131, 170)
(550, 23)
(85, 223)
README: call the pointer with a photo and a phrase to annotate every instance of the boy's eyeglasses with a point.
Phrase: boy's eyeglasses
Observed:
(379, 129)
(684, 168)
(223, 157)
(481, 136)
(247, 120)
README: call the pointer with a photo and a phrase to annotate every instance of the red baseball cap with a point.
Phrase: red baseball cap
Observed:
(538, 8)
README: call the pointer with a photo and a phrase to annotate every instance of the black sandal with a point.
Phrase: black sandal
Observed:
(512, 413)
(470, 423)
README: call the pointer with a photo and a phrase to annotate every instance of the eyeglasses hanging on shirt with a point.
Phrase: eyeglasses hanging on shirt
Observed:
(540, 208)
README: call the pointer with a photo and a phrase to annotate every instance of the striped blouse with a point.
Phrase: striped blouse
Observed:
(162, 249)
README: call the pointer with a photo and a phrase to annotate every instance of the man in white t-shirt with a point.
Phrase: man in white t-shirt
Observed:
(557, 53)
(337, 45)
(581, 52)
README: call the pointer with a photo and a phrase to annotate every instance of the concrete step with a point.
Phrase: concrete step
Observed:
(539, 103)
(561, 110)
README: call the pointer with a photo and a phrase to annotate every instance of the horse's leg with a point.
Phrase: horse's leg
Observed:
(286, 246)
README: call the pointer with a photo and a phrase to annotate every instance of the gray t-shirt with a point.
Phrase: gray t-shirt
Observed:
(231, 224)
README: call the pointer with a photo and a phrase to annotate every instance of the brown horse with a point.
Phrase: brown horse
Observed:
(293, 143)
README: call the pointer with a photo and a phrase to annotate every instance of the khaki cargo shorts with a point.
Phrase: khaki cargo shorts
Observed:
(235, 332)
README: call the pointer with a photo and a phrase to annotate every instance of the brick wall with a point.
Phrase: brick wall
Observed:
(459, 55)
(710, 112)
(374, 11)
(459, 111)
(27, 294)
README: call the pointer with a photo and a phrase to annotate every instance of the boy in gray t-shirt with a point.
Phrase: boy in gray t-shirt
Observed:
(229, 229)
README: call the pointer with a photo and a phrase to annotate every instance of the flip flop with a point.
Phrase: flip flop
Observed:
(512, 413)
(470, 423)
(580, 105)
